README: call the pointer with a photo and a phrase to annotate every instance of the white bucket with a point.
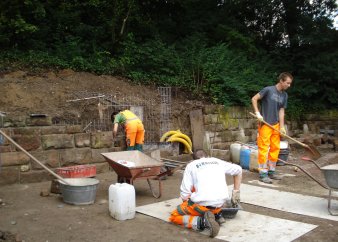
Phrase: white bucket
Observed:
(235, 150)
(122, 201)
(253, 160)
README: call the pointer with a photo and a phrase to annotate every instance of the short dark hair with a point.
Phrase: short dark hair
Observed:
(112, 116)
(198, 154)
(284, 75)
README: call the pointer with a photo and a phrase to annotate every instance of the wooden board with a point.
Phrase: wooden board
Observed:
(197, 128)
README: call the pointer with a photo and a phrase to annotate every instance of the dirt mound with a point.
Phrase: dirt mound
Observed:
(24, 93)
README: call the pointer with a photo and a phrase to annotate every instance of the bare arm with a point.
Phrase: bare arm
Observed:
(116, 125)
(237, 181)
(254, 101)
(281, 117)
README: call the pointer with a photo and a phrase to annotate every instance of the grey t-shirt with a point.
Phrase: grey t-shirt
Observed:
(272, 101)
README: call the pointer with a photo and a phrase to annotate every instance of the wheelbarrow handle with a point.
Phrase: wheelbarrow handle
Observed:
(169, 172)
(307, 173)
(308, 159)
(292, 164)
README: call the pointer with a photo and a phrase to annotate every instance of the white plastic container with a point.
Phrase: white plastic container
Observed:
(253, 160)
(235, 150)
(122, 204)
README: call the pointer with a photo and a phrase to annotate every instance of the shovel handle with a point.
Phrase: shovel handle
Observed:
(285, 135)
(33, 158)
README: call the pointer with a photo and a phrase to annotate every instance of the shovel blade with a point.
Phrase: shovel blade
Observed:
(312, 152)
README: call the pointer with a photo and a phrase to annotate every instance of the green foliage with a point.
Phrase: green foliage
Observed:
(224, 50)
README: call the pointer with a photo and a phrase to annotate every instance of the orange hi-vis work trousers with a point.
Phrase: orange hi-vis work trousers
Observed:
(134, 132)
(134, 129)
(188, 214)
(268, 138)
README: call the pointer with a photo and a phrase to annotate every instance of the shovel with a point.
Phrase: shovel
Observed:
(33, 158)
(314, 153)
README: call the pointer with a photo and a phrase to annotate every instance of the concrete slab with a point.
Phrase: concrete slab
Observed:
(287, 201)
(244, 227)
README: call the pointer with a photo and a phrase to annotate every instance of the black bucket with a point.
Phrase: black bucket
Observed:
(283, 155)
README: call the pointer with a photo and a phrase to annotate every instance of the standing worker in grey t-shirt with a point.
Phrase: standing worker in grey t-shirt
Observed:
(273, 104)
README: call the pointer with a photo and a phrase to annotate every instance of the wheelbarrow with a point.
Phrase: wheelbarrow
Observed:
(132, 165)
(331, 177)
(330, 173)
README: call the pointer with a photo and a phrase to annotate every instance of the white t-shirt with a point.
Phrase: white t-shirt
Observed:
(207, 177)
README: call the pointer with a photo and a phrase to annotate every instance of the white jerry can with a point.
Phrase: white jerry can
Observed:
(235, 150)
(122, 204)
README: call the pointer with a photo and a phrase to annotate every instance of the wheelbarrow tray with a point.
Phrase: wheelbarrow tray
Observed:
(133, 164)
(331, 175)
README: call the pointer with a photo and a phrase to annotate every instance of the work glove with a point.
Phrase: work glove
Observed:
(282, 130)
(259, 116)
(236, 198)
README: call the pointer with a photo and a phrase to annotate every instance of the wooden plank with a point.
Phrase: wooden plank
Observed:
(197, 128)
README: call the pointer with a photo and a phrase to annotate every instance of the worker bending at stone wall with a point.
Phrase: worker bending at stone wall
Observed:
(133, 127)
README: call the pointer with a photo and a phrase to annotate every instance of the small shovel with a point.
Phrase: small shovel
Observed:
(314, 153)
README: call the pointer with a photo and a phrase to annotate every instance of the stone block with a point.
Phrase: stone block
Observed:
(14, 159)
(5, 148)
(237, 112)
(53, 130)
(57, 141)
(96, 154)
(226, 136)
(102, 167)
(82, 140)
(35, 176)
(26, 131)
(101, 140)
(39, 121)
(73, 129)
(115, 149)
(228, 122)
(216, 139)
(214, 127)
(220, 154)
(9, 175)
(211, 109)
(221, 146)
(249, 132)
(50, 158)
(75, 156)
(14, 122)
(28, 142)
(247, 123)
(210, 119)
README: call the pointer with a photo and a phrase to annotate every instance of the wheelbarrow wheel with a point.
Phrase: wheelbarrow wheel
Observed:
(124, 180)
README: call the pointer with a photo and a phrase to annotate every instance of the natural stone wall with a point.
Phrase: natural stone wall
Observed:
(223, 126)
(54, 146)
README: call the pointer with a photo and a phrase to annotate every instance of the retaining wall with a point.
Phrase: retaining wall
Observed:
(223, 126)
(54, 146)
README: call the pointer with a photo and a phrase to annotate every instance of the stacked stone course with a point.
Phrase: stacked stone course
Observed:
(55, 146)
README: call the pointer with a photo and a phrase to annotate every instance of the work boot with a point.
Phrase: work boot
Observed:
(274, 176)
(208, 221)
(139, 147)
(219, 218)
(266, 179)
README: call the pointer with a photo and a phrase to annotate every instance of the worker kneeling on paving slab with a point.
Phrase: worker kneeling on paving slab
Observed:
(204, 191)
(133, 127)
